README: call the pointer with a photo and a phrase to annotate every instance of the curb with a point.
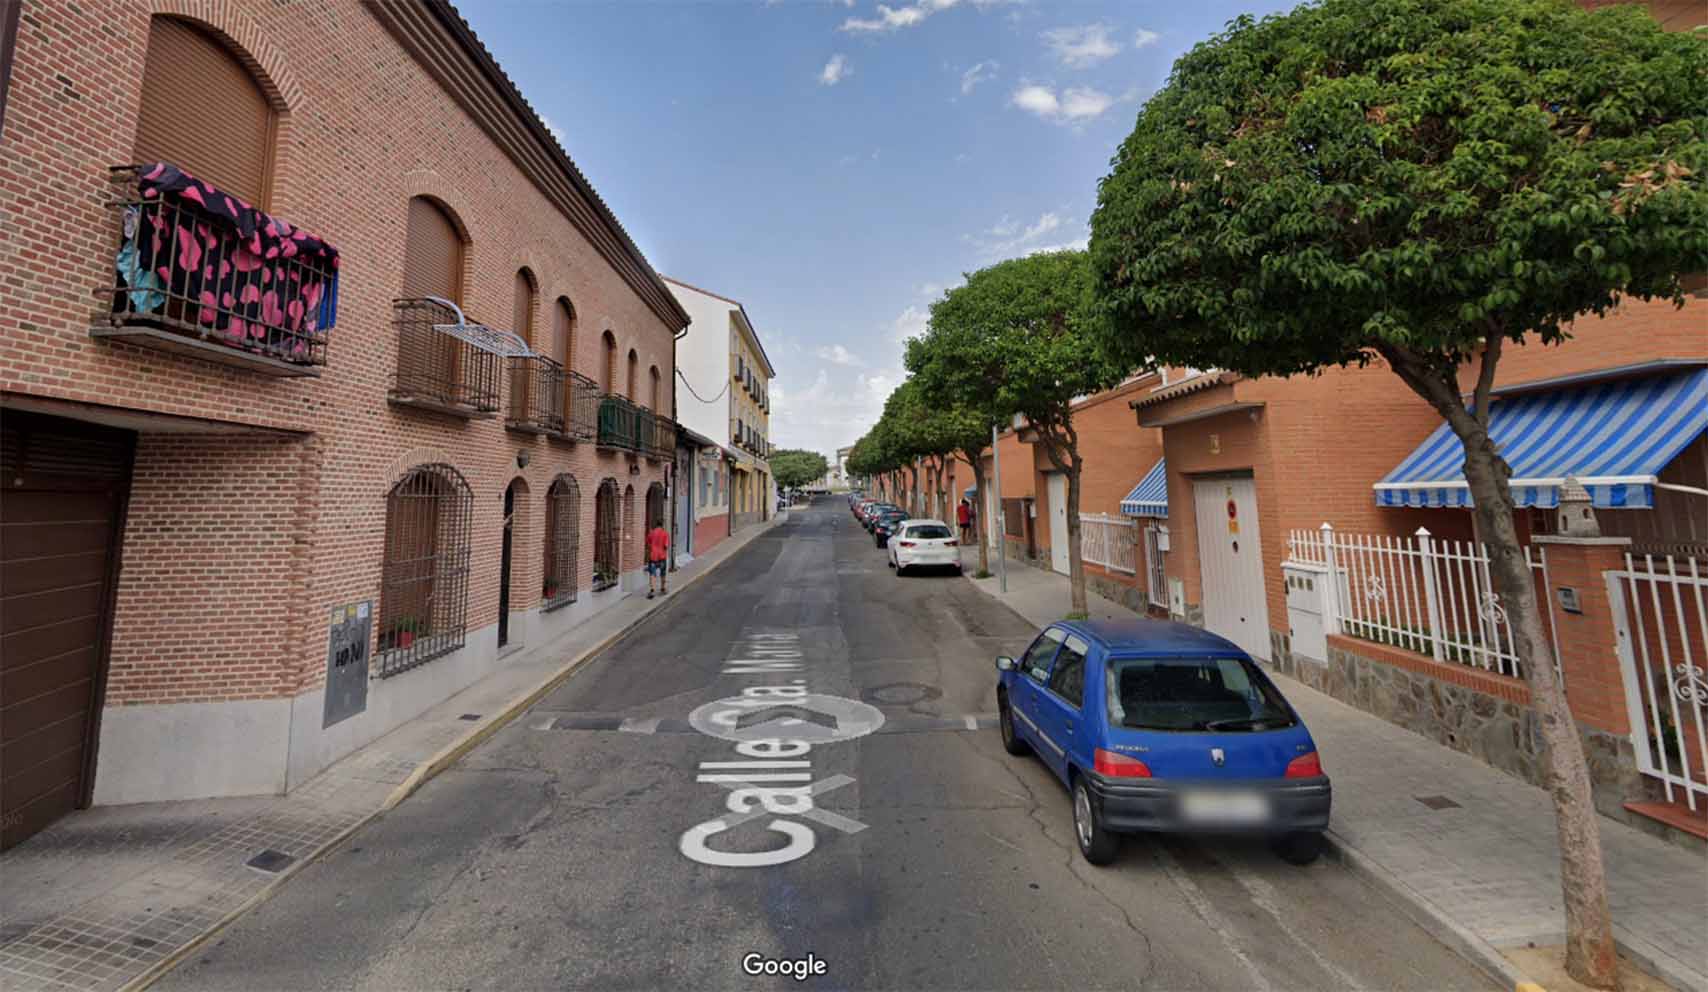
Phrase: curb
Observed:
(1430, 917)
(428, 769)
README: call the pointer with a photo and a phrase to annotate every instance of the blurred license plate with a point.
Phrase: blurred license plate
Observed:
(1224, 807)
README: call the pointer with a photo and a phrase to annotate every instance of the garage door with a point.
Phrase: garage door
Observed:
(60, 512)
(1230, 556)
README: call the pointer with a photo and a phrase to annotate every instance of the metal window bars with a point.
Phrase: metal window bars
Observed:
(563, 542)
(445, 363)
(182, 280)
(537, 402)
(619, 423)
(425, 572)
(581, 407)
(607, 560)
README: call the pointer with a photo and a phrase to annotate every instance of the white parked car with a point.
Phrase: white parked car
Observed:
(924, 544)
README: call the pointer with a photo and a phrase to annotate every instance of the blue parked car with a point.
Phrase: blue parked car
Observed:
(1161, 726)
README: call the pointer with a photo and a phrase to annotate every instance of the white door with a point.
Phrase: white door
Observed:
(993, 522)
(1058, 522)
(1230, 556)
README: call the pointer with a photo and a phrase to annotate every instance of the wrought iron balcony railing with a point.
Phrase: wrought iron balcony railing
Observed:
(619, 423)
(186, 279)
(537, 401)
(658, 435)
(582, 400)
(440, 370)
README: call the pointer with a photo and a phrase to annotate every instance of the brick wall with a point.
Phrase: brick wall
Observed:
(363, 128)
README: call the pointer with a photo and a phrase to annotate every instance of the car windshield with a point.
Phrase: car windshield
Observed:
(1205, 694)
(928, 532)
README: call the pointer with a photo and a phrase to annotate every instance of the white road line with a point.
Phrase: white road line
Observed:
(1201, 905)
(545, 724)
(1263, 896)
(971, 721)
(639, 724)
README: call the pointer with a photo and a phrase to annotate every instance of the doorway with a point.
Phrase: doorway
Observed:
(504, 565)
(1058, 522)
(61, 530)
(1230, 554)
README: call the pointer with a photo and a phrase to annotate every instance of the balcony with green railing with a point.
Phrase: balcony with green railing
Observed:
(619, 424)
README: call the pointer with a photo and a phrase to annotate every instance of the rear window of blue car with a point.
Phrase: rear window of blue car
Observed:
(1193, 694)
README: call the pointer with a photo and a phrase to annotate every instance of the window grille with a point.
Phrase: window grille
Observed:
(563, 542)
(606, 535)
(425, 572)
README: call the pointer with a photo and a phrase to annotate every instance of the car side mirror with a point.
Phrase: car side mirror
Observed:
(1005, 664)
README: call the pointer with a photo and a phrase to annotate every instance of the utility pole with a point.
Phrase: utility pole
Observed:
(1002, 541)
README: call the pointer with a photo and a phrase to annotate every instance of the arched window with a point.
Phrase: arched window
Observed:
(654, 506)
(203, 111)
(424, 572)
(432, 252)
(522, 305)
(606, 537)
(563, 542)
(527, 378)
(563, 332)
(610, 380)
(634, 369)
(657, 390)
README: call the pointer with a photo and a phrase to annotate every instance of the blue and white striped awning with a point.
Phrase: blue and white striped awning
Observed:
(1614, 436)
(971, 493)
(1150, 497)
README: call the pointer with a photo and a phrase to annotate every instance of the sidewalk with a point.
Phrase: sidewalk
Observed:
(111, 897)
(1470, 849)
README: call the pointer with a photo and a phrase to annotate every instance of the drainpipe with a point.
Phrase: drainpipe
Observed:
(672, 473)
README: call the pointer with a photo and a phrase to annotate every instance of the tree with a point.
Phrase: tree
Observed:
(794, 468)
(1018, 338)
(908, 435)
(966, 423)
(1421, 182)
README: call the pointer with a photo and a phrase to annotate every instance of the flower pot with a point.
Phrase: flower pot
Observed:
(405, 638)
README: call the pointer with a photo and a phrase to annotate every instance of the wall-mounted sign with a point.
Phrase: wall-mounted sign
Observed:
(1569, 600)
(347, 662)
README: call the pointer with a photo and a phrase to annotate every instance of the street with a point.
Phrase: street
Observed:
(553, 855)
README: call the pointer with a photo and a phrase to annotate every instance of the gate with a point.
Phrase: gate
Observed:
(605, 537)
(1660, 614)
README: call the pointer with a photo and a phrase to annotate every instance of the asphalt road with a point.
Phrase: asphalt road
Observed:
(551, 857)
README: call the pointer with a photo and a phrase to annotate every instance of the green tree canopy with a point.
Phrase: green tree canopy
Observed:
(794, 467)
(1424, 181)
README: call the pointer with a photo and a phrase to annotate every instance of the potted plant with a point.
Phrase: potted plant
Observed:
(403, 631)
(551, 588)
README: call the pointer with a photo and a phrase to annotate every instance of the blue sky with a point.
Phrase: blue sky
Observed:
(835, 164)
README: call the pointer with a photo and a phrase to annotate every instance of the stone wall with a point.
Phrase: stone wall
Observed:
(1498, 732)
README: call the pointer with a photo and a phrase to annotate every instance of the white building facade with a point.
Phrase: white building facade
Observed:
(723, 391)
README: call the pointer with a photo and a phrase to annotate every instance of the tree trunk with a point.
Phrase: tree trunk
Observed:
(913, 493)
(979, 523)
(1591, 956)
(1076, 564)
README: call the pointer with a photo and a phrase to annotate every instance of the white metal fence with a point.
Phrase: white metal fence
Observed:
(1109, 541)
(1155, 572)
(1424, 595)
(1660, 614)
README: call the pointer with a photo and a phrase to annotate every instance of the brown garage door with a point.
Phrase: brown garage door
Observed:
(62, 492)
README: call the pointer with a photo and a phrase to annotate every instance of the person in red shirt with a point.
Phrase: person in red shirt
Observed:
(964, 517)
(657, 550)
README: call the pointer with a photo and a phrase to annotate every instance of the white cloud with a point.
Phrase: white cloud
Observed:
(1083, 46)
(1073, 105)
(552, 129)
(835, 71)
(911, 323)
(1006, 239)
(1145, 38)
(895, 18)
(979, 73)
(833, 410)
(838, 355)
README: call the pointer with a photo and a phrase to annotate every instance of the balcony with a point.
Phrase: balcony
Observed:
(619, 424)
(581, 411)
(537, 402)
(657, 436)
(443, 363)
(187, 280)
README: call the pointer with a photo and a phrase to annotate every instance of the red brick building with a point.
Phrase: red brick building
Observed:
(204, 475)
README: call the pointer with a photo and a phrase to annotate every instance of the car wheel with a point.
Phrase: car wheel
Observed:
(1096, 845)
(1301, 848)
(1011, 742)
(899, 568)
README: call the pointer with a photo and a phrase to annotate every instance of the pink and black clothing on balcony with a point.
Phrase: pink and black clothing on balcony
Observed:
(206, 261)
